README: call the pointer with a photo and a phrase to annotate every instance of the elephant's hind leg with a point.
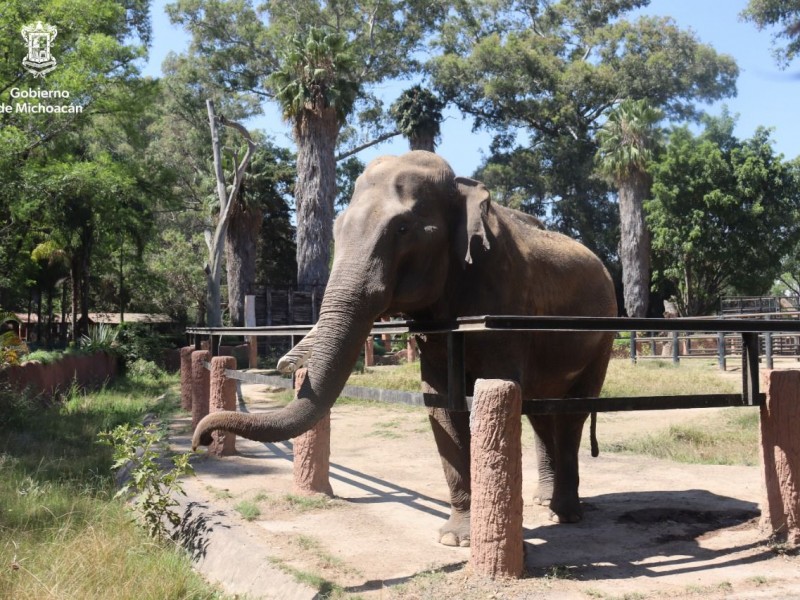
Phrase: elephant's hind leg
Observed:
(451, 432)
(557, 441)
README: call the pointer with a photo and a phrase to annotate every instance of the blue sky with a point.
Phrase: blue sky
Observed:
(766, 95)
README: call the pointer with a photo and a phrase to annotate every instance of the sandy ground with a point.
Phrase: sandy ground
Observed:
(652, 528)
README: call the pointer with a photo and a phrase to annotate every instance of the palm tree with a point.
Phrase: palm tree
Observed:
(418, 114)
(626, 144)
(317, 88)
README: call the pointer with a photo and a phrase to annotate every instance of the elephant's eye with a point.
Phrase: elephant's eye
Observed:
(402, 229)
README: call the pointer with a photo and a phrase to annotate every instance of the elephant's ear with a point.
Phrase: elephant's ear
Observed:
(476, 199)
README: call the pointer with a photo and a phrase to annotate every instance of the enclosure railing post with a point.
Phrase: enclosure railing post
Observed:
(369, 352)
(652, 343)
(200, 384)
(780, 455)
(675, 348)
(312, 452)
(222, 396)
(456, 385)
(496, 543)
(768, 349)
(186, 377)
(633, 347)
(250, 321)
(749, 367)
(721, 351)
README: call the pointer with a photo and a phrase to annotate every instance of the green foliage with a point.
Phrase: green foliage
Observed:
(101, 338)
(60, 523)
(418, 114)
(146, 369)
(549, 71)
(627, 140)
(317, 73)
(137, 341)
(723, 214)
(138, 450)
(12, 348)
(785, 16)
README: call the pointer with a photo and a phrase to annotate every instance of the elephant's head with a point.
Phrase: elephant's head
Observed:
(410, 222)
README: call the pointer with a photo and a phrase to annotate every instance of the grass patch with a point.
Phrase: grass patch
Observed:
(401, 377)
(663, 378)
(302, 504)
(730, 437)
(248, 510)
(326, 589)
(62, 534)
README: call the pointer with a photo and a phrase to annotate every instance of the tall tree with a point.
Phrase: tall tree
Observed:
(724, 213)
(543, 74)
(316, 88)
(311, 56)
(627, 141)
(418, 114)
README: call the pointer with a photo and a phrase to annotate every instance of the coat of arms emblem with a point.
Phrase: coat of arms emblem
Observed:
(39, 61)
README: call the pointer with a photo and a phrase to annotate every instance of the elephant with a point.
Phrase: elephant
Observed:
(416, 240)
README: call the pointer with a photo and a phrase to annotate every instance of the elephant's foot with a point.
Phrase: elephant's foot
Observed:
(566, 511)
(456, 531)
(543, 495)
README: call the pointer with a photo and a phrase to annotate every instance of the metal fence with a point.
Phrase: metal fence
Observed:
(747, 331)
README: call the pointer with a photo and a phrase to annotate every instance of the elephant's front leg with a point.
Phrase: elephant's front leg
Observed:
(451, 432)
(558, 439)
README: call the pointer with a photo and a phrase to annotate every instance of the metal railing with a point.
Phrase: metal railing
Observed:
(457, 329)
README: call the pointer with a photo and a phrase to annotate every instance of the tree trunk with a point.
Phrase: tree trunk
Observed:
(315, 134)
(422, 141)
(634, 244)
(241, 241)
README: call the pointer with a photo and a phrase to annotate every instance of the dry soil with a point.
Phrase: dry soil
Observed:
(652, 528)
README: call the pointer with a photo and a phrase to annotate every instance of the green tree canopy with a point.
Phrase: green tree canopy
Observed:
(723, 215)
(543, 75)
(783, 14)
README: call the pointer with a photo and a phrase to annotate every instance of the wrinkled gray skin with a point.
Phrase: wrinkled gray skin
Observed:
(419, 241)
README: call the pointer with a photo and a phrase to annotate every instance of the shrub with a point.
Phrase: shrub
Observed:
(136, 341)
(137, 451)
(101, 338)
(145, 369)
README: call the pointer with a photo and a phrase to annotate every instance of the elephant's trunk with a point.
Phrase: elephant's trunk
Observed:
(346, 318)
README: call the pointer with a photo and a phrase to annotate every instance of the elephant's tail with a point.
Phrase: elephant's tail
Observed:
(593, 435)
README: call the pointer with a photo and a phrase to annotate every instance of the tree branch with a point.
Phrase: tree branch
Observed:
(358, 149)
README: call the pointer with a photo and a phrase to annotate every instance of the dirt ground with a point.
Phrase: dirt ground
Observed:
(652, 528)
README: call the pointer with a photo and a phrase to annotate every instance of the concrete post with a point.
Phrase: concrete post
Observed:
(312, 453)
(780, 455)
(222, 397)
(186, 377)
(200, 384)
(496, 468)
(369, 353)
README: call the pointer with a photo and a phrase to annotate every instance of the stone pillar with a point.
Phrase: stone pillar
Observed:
(780, 455)
(369, 353)
(200, 384)
(222, 396)
(312, 452)
(496, 468)
(186, 377)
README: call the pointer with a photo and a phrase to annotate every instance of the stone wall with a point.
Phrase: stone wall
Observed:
(48, 379)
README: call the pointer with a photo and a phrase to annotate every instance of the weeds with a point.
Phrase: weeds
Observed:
(248, 510)
(137, 451)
